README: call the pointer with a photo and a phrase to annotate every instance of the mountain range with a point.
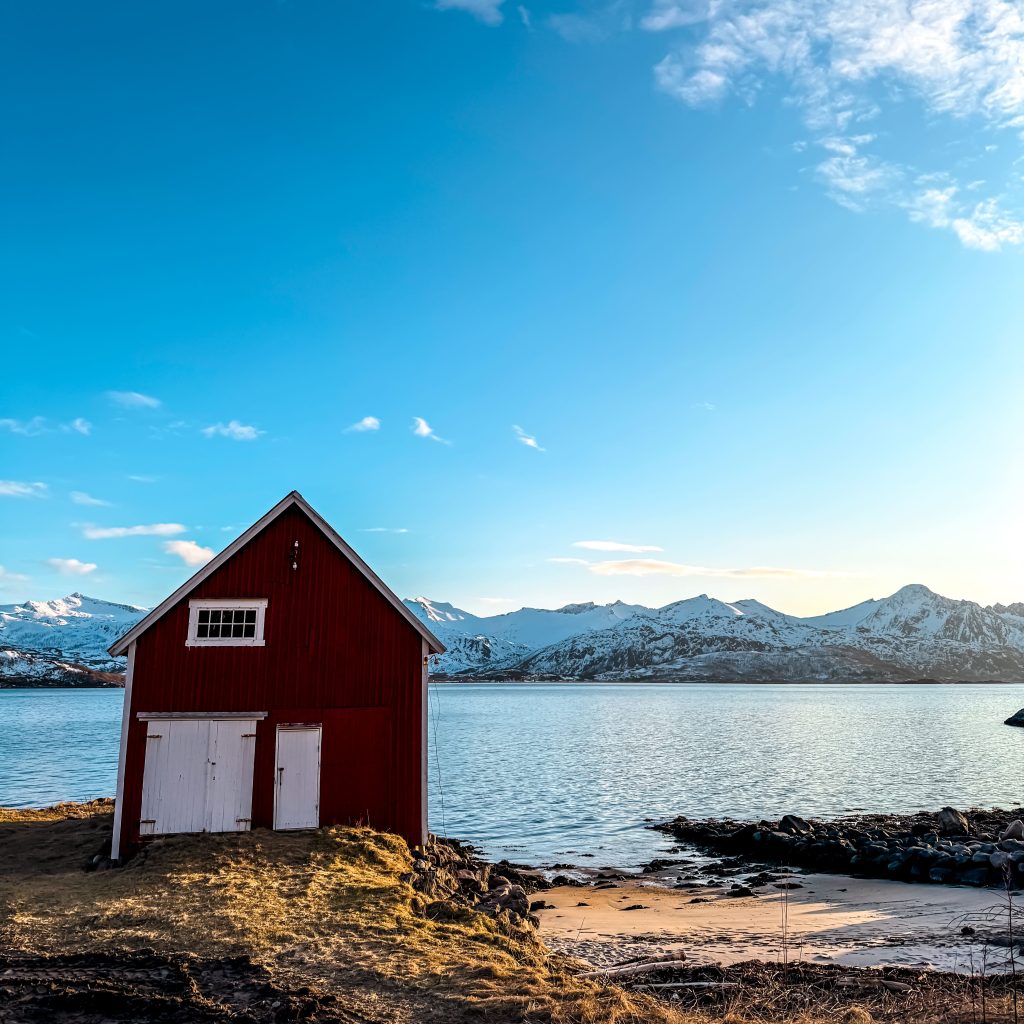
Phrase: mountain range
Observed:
(912, 634)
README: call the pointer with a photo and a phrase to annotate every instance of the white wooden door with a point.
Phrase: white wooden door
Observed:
(198, 775)
(297, 777)
(229, 784)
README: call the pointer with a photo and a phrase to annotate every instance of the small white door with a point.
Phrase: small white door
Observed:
(198, 775)
(297, 777)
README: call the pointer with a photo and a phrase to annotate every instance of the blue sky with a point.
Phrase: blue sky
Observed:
(748, 273)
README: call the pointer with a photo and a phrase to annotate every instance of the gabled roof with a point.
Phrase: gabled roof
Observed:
(120, 646)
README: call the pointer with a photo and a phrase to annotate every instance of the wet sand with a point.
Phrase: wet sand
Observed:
(833, 919)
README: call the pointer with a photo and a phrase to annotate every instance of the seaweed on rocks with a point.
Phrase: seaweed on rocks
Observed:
(975, 847)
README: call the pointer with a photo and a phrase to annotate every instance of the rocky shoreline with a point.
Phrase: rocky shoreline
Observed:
(975, 847)
(450, 879)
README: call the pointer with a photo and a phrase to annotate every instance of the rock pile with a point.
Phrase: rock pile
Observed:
(451, 879)
(944, 848)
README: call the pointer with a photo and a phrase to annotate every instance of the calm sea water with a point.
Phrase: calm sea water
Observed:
(550, 773)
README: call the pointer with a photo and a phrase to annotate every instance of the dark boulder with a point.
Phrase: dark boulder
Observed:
(793, 825)
(1017, 719)
(952, 822)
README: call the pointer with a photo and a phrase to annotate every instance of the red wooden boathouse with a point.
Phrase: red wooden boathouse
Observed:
(283, 686)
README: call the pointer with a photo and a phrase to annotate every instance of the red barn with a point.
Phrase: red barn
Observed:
(283, 686)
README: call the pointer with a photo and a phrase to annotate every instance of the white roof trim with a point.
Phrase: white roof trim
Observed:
(120, 646)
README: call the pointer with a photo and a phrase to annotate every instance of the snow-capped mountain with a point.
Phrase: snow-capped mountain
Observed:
(64, 641)
(476, 642)
(912, 634)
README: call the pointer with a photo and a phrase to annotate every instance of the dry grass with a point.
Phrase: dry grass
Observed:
(328, 910)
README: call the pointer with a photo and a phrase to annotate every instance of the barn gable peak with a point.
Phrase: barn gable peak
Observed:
(293, 498)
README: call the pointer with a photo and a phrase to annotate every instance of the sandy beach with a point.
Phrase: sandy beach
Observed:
(832, 919)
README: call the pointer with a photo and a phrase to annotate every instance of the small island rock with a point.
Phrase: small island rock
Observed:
(1017, 719)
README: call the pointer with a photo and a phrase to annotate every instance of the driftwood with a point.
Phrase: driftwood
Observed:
(695, 984)
(628, 970)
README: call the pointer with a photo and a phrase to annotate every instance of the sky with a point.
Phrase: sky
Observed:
(535, 303)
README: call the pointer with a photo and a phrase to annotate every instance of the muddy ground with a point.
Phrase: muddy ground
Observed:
(129, 987)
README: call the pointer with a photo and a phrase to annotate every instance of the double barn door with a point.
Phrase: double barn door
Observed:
(198, 775)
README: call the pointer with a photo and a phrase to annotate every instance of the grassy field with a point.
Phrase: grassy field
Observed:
(327, 911)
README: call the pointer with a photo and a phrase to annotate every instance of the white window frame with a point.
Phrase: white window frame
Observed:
(226, 604)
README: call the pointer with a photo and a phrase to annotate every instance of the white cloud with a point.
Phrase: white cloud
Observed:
(569, 561)
(150, 530)
(22, 489)
(657, 567)
(705, 406)
(71, 566)
(191, 553)
(41, 425)
(133, 400)
(613, 545)
(27, 428)
(421, 428)
(11, 577)
(524, 16)
(366, 423)
(385, 529)
(844, 63)
(234, 430)
(528, 439)
(666, 14)
(143, 479)
(487, 11)
(81, 498)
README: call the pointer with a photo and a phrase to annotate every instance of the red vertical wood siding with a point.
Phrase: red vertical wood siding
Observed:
(337, 652)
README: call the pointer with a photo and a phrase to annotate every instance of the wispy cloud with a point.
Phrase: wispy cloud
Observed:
(142, 478)
(666, 14)
(845, 64)
(569, 561)
(384, 529)
(487, 11)
(71, 566)
(11, 577)
(421, 428)
(657, 567)
(149, 530)
(133, 400)
(528, 439)
(27, 428)
(22, 489)
(614, 545)
(234, 430)
(363, 425)
(41, 425)
(81, 498)
(191, 553)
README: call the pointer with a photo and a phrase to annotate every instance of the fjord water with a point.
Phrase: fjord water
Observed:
(550, 773)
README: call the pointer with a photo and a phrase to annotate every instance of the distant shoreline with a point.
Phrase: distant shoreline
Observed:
(13, 684)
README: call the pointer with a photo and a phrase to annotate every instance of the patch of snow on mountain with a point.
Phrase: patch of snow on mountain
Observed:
(76, 628)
